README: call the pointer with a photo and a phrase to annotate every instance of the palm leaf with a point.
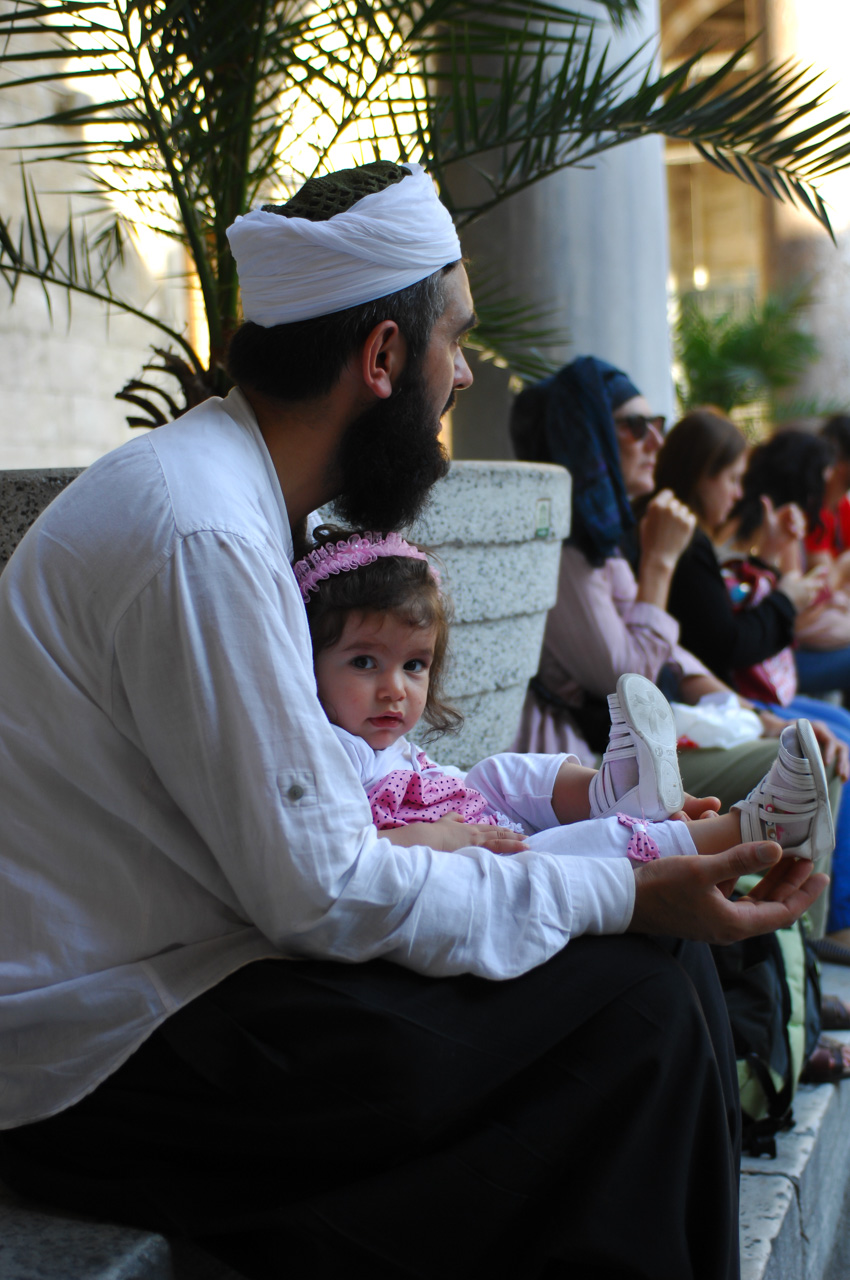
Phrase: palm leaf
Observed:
(512, 333)
(77, 260)
(731, 360)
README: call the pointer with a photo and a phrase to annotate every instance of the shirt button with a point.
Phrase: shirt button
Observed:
(295, 792)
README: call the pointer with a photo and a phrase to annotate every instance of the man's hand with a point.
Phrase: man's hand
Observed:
(802, 589)
(781, 530)
(451, 833)
(688, 897)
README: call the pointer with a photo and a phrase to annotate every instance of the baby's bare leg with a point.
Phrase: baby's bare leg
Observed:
(715, 835)
(570, 798)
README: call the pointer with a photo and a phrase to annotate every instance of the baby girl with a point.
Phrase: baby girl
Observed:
(379, 624)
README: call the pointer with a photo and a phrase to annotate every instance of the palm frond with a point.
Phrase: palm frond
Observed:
(748, 125)
(730, 360)
(513, 333)
(78, 259)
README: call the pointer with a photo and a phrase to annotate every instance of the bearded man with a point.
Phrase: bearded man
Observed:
(230, 1010)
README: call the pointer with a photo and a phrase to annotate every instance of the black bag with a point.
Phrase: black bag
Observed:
(772, 990)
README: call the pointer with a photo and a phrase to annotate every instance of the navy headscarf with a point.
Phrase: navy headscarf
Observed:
(569, 419)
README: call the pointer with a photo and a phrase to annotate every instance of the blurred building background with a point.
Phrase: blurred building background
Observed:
(729, 247)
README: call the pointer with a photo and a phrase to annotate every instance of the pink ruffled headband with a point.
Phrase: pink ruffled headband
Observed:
(353, 553)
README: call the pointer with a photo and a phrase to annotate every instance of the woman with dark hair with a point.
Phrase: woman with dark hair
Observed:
(791, 467)
(761, 528)
(705, 443)
(703, 462)
(797, 468)
(593, 420)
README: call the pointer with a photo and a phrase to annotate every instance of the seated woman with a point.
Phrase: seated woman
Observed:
(742, 625)
(593, 420)
(758, 510)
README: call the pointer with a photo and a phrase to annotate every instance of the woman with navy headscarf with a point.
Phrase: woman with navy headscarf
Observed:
(609, 619)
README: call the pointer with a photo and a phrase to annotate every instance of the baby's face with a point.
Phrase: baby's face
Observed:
(374, 680)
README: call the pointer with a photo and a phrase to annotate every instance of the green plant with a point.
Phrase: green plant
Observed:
(730, 361)
(199, 110)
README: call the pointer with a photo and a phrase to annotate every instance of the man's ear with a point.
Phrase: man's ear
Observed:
(383, 358)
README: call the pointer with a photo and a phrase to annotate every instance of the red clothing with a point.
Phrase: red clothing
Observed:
(834, 535)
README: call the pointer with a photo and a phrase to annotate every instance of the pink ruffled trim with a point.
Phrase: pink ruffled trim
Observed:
(353, 553)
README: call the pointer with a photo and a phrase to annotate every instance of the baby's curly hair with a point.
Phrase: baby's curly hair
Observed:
(399, 585)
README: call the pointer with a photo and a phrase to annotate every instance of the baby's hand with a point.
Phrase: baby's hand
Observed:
(695, 808)
(451, 832)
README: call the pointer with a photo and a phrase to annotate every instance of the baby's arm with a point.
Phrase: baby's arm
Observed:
(451, 833)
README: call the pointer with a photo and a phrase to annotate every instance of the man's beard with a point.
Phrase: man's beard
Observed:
(389, 459)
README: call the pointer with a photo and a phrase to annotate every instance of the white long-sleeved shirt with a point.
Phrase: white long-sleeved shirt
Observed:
(175, 804)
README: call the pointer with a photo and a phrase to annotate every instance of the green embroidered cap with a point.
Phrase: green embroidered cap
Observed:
(322, 198)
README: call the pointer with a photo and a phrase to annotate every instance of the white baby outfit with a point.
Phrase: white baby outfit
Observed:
(517, 790)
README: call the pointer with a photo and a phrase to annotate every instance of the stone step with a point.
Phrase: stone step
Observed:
(793, 1225)
(45, 1244)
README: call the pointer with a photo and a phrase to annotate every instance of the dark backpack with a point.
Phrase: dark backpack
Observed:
(772, 990)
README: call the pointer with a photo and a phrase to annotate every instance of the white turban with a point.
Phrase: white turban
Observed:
(293, 269)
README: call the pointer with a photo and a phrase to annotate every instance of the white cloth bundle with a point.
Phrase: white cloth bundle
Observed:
(717, 720)
(293, 269)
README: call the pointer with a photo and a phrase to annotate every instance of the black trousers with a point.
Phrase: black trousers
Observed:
(300, 1118)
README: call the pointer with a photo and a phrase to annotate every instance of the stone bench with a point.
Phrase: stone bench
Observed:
(38, 1243)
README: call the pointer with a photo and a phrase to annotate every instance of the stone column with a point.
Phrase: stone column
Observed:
(589, 245)
(496, 529)
(816, 33)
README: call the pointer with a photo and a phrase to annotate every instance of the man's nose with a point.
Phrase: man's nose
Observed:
(463, 373)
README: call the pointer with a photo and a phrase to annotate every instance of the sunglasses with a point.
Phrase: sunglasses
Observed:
(639, 426)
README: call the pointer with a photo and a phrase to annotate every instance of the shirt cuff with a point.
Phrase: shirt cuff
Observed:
(603, 894)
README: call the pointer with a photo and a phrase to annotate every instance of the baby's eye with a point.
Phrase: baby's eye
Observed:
(363, 662)
(416, 665)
